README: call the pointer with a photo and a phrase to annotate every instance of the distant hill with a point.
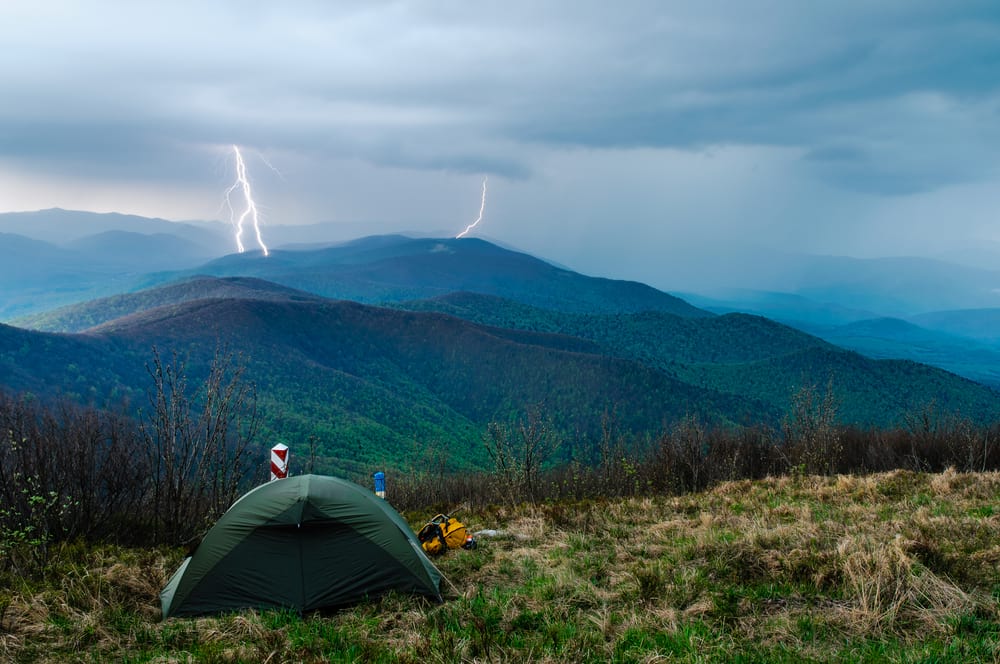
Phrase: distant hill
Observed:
(980, 324)
(897, 286)
(138, 252)
(37, 275)
(885, 338)
(22, 257)
(745, 355)
(788, 308)
(395, 268)
(79, 317)
(966, 342)
(61, 227)
(890, 286)
(56, 257)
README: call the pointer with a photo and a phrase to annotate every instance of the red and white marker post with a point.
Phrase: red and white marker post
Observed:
(279, 462)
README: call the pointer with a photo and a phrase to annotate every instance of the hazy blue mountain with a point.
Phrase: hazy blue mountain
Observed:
(966, 342)
(23, 258)
(899, 286)
(985, 254)
(980, 324)
(37, 275)
(895, 286)
(137, 252)
(61, 227)
(395, 268)
(58, 257)
(787, 308)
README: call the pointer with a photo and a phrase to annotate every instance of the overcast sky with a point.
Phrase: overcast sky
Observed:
(617, 136)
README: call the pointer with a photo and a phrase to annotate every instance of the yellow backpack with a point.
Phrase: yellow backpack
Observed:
(441, 533)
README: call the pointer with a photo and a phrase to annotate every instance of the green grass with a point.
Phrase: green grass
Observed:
(897, 567)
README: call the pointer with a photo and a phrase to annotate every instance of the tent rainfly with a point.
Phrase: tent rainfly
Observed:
(305, 542)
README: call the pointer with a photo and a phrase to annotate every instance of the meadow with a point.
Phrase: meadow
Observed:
(898, 566)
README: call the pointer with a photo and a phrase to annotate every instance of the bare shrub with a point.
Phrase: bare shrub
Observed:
(197, 443)
(69, 471)
(518, 450)
(66, 472)
(618, 462)
(812, 437)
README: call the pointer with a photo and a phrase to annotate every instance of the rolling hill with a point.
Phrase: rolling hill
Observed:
(375, 385)
(893, 338)
(745, 355)
(79, 317)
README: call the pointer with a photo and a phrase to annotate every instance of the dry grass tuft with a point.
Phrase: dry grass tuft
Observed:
(889, 591)
(246, 626)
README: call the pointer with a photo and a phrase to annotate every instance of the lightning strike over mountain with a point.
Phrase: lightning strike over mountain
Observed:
(251, 209)
(482, 206)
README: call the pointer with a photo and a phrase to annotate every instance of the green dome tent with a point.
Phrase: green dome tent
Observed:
(303, 543)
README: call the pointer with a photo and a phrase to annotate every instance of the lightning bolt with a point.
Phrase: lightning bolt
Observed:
(272, 167)
(482, 206)
(251, 210)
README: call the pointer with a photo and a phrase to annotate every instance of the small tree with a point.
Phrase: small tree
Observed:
(198, 443)
(810, 430)
(518, 451)
(682, 456)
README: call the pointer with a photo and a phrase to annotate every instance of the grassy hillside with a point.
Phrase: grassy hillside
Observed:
(893, 567)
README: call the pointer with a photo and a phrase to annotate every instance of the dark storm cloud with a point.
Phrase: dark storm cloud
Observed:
(890, 98)
(585, 74)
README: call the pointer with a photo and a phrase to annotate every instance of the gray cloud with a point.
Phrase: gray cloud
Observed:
(818, 104)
